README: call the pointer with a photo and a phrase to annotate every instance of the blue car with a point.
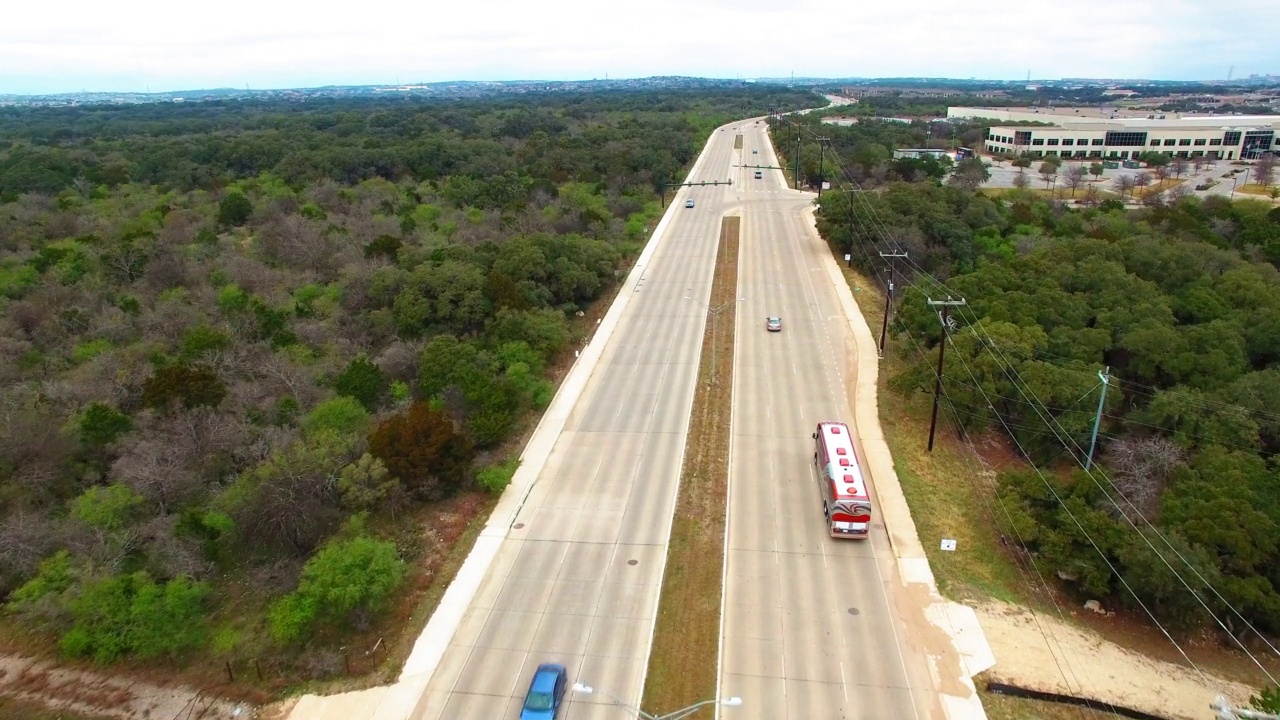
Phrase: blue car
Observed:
(546, 693)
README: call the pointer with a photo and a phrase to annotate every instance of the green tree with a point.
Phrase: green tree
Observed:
(203, 340)
(421, 448)
(101, 424)
(342, 414)
(969, 174)
(131, 614)
(234, 209)
(185, 384)
(365, 484)
(1096, 169)
(110, 508)
(344, 577)
(363, 381)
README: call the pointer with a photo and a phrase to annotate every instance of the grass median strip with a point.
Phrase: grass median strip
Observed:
(682, 662)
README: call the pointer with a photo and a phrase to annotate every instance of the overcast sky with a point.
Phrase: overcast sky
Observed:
(140, 45)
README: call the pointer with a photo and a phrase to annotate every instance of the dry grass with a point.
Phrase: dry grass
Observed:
(737, 141)
(1253, 189)
(947, 490)
(1157, 187)
(682, 663)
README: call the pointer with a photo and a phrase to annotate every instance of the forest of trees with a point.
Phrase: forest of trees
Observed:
(240, 342)
(1180, 305)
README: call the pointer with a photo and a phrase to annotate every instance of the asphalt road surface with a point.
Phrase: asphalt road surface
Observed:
(577, 579)
(808, 628)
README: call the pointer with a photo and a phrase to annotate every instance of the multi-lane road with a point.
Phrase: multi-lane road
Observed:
(809, 629)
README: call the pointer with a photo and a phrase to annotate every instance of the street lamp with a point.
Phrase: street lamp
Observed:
(1233, 182)
(734, 701)
(715, 316)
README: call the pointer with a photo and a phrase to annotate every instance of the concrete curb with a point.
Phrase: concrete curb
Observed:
(960, 622)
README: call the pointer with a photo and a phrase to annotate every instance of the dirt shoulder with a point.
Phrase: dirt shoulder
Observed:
(1041, 652)
(99, 695)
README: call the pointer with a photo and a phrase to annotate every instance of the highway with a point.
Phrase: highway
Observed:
(577, 578)
(809, 627)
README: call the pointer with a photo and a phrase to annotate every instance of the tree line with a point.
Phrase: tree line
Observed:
(243, 344)
(1180, 305)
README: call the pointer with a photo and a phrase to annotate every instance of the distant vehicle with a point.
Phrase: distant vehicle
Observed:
(846, 505)
(546, 693)
(1110, 164)
(773, 324)
(758, 175)
(688, 203)
(1203, 186)
(755, 152)
(1131, 164)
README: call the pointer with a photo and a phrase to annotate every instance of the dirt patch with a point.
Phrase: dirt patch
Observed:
(92, 694)
(682, 662)
(1042, 652)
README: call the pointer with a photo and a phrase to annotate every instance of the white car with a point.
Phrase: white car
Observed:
(688, 203)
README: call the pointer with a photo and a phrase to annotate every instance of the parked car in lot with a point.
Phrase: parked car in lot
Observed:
(546, 693)
(773, 324)
(688, 203)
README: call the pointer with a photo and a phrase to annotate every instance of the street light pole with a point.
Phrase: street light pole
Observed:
(685, 712)
(715, 318)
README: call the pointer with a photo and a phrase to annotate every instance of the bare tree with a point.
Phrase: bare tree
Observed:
(26, 538)
(1264, 170)
(1020, 181)
(1142, 469)
(1142, 180)
(159, 471)
(1178, 165)
(1178, 192)
(1162, 172)
(1197, 163)
(1076, 177)
(1123, 184)
(1091, 196)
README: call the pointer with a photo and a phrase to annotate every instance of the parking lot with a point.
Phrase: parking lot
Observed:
(1003, 174)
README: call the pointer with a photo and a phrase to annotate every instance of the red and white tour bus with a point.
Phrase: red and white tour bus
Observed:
(842, 480)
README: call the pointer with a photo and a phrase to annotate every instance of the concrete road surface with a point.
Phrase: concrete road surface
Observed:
(576, 580)
(809, 630)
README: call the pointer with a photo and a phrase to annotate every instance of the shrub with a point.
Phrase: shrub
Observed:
(421, 448)
(496, 478)
(343, 577)
(342, 414)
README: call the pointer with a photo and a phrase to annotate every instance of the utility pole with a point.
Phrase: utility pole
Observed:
(851, 191)
(797, 157)
(822, 167)
(888, 297)
(1093, 442)
(942, 346)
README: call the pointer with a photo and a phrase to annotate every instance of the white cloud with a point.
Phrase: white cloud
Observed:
(136, 44)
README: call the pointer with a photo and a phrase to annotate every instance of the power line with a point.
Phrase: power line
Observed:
(925, 275)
